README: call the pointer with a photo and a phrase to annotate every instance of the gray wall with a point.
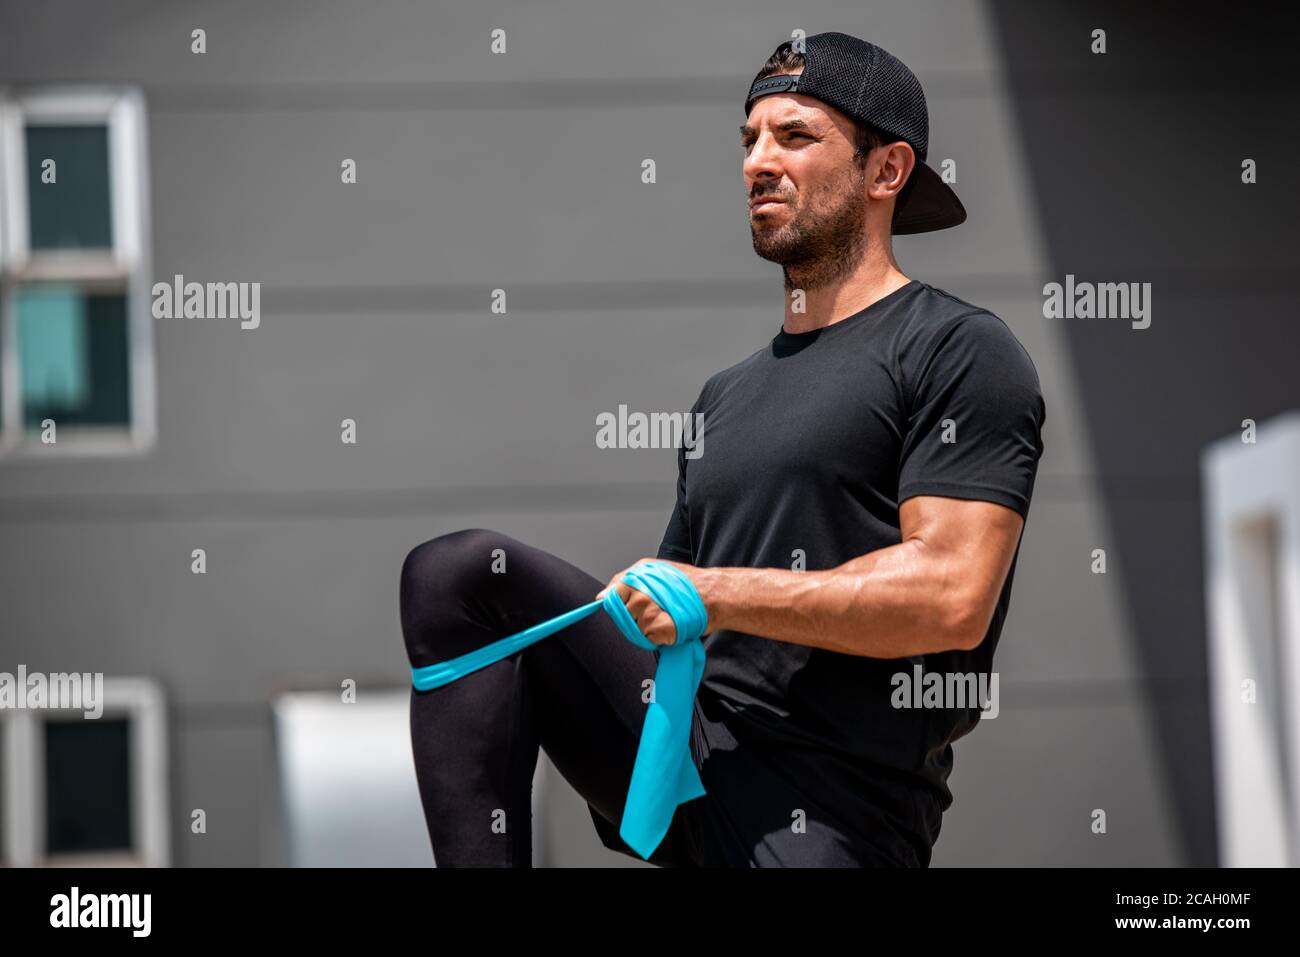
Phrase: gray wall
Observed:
(523, 171)
(1135, 159)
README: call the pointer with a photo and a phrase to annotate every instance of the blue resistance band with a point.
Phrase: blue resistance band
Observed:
(664, 775)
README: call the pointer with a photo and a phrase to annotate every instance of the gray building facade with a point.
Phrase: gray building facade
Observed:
(522, 171)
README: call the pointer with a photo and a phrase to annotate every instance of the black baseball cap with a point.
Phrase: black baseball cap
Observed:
(872, 86)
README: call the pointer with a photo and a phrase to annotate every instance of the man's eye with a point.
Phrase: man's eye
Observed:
(748, 143)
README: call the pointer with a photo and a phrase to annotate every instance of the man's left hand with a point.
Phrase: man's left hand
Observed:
(655, 623)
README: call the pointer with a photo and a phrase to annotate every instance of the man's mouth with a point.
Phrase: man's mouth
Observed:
(763, 203)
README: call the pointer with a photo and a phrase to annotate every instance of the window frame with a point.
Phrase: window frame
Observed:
(138, 700)
(310, 723)
(1251, 512)
(125, 268)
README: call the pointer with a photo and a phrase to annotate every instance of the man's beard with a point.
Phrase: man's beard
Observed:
(818, 248)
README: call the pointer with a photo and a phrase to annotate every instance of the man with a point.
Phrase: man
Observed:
(852, 530)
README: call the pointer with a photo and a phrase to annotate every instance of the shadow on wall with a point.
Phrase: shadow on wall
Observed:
(1136, 156)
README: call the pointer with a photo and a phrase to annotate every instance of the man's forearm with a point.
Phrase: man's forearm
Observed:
(891, 603)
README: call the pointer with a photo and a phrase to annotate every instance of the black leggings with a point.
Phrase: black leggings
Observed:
(577, 694)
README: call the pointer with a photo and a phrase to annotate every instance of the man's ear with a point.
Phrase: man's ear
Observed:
(898, 162)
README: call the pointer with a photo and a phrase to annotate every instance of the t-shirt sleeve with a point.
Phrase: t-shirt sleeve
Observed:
(975, 417)
(676, 544)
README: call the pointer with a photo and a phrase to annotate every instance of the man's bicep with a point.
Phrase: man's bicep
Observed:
(973, 540)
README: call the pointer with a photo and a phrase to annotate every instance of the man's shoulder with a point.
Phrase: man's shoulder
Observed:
(732, 372)
(937, 308)
(945, 301)
(940, 317)
(946, 337)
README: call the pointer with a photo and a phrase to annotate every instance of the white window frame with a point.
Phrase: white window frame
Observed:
(140, 701)
(125, 267)
(330, 755)
(1252, 535)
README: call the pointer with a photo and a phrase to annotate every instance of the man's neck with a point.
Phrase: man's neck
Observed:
(827, 305)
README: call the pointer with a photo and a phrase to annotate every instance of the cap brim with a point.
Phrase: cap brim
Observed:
(932, 205)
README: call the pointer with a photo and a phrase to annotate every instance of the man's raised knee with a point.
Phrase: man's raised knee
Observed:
(449, 563)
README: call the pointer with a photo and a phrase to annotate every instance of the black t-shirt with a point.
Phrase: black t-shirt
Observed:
(809, 446)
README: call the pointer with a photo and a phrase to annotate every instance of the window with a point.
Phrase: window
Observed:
(76, 334)
(87, 791)
(1252, 533)
(347, 780)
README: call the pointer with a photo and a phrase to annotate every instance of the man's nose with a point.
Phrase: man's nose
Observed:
(763, 158)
